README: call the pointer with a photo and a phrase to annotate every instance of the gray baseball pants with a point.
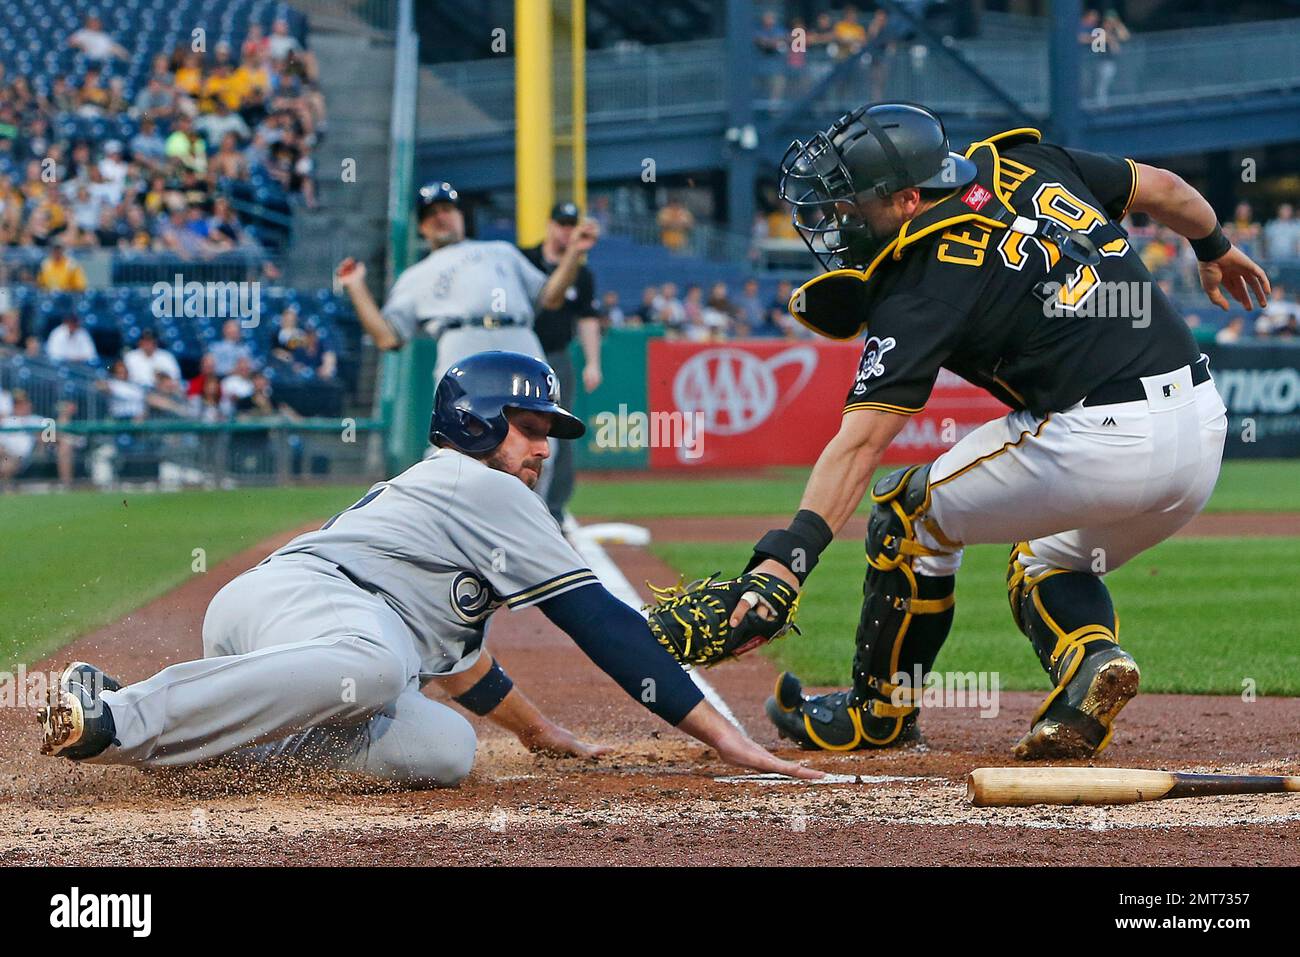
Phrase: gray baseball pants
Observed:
(299, 662)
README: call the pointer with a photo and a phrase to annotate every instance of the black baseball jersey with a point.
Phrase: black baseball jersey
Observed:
(977, 285)
(555, 326)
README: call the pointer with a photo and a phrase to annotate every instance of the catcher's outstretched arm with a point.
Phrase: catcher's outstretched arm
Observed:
(838, 481)
(844, 469)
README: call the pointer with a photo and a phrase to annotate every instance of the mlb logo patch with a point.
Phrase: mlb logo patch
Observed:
(977, 197)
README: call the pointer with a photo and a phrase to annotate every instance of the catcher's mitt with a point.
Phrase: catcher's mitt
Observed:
(694, 621)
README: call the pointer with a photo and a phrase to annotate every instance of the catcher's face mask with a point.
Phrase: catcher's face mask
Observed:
(827, 211)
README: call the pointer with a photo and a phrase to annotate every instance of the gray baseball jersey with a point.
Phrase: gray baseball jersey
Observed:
(445, 544)
(468, 278)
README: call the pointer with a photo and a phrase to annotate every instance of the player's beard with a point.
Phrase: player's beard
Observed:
(498, 461)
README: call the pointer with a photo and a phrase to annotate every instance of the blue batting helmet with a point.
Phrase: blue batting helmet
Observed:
(435, 192)
(469, 406)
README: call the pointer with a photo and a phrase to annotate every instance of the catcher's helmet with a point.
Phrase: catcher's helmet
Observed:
(434, 192)
(469, 406)
(875, 150)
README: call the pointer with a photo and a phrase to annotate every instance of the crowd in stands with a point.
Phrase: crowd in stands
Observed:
(1275, 242)
(796, 53)
(233, 379)
(693, 316)
(87, 162)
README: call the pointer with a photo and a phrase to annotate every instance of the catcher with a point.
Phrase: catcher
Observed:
(320, 653)
(1007, 266)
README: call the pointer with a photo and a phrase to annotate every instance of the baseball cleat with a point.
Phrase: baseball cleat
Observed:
(1075, 720)
(75, 722)
(94, 678)
(830, 722)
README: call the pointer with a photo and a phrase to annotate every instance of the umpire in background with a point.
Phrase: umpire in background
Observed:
(556, 327)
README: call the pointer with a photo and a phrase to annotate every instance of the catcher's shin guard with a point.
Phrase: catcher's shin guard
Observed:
(905, 619)
(1071, 623)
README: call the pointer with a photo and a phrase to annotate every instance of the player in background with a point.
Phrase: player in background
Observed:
(469, 295)
(320, 652)
(556, 329)
(1007, 266)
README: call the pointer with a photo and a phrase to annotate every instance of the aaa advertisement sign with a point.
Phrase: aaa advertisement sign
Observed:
(778, 403)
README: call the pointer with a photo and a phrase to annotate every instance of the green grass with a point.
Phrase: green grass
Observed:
(1244, 486)
(71, 563)
(1200, 615)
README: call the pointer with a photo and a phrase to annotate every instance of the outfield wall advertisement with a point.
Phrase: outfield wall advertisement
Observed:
(764, 402)
(1260, 385)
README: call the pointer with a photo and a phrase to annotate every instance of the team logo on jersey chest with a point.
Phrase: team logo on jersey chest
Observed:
(472, 598)
(873, 351)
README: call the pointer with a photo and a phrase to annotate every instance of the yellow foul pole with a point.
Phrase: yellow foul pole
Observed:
(534, 120)
(578, 21)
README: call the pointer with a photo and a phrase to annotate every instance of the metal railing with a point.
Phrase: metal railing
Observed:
(378, 15)
(679, 79)
(174, 454)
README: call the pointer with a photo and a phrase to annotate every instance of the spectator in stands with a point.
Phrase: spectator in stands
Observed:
(1280, 315)
(286, 51)
(97, 45)
(209, 405)
(219, 124)
(126, 399)
(694, 328)
(770, 38)
(1282, 234)
(227, 353)
(611, 312)
(289, 334)
(255, 45)
(147, 361)
(60, 272)
(157, 101)
(261, 402)
(1232, 332)
(675, 224)
(849, 34)
(749, 306)
(186, 146)
(109, 230)
(311, 357)
(719, 313)
(669, 310)
(1243, 230)
(648, 311)
(113, 170)
(229, 161)
(11, 329)
(238, 385)
(17, 448)
(1115, 34)
(167, 399)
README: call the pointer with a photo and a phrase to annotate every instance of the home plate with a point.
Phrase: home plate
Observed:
(774, 778)
(615, 533)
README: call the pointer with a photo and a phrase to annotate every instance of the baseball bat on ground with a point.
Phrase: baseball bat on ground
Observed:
(1016, 787)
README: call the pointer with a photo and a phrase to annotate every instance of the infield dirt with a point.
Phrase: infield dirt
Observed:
(657, 799)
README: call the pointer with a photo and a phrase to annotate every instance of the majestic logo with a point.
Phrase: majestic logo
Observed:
(977, 197)
(873, 351)
(473, 598)
(731, 391)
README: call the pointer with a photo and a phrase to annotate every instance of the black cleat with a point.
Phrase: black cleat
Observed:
(829, 722)
(1075, 720)
(75, 722)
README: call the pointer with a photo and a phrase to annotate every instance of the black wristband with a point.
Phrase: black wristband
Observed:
(1211, 247)
(487, 692)
(798, 547)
